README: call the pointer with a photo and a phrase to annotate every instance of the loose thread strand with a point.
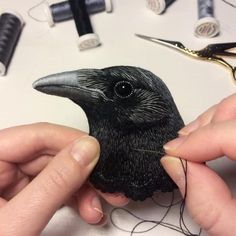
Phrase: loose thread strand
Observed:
(229, 3)
(166, 206)
(182, 223)
(29, 12)
(157, 222)
(182, 228)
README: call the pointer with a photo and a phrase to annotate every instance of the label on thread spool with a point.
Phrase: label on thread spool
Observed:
(88, 41)
(207, 27)
(158, 6)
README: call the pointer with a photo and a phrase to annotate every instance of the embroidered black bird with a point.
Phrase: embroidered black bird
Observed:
(132, 114)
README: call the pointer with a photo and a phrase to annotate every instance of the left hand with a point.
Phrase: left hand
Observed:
(38, 174)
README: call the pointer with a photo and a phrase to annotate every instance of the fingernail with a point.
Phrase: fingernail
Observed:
(122, 199)
(119, 195)
(175, 170)
(96, 205)
(173, 144)
(86, 151)
(189, 128)
(102, 222)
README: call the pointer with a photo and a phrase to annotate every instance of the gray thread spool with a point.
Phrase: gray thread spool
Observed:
(158, 6)
(207, 26)
(61, 11)
(10, 28)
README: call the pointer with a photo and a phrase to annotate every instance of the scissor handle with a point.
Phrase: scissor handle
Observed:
(234, 73)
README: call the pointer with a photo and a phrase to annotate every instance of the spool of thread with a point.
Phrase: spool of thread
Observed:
(207, 26)
(87, 38)
(61, 11)
(158, 6)
(10, 28)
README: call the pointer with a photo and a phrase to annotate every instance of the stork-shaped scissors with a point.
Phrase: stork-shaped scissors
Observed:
(212, 52)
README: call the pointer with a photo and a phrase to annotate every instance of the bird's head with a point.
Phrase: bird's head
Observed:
(129, 95)
(132, 114)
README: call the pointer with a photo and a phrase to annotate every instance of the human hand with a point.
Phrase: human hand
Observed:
(41, 166)
(211, 135)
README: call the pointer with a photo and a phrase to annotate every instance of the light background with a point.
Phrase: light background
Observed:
(194, 84)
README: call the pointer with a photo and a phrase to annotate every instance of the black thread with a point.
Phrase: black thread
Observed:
(229, 3)
(61, 11)
(87, 38)
(166, 206)
(182, 205)
(168, 2)
(155, 222)
(10, 29)
(81, 17)
(182, 228)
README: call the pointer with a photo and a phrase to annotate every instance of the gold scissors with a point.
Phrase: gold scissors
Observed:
(212, 52)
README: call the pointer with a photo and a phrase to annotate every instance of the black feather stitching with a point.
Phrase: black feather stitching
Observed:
(130, 129)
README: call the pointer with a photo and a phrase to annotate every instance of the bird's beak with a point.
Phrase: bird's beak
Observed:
(76, 85)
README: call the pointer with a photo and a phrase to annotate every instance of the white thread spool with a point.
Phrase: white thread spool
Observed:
(207, 26)
(158, 6)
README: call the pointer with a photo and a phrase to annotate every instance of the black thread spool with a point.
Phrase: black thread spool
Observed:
(61, 11)
(10, 28)
(87, 38)
(158, 6)
(207, 25)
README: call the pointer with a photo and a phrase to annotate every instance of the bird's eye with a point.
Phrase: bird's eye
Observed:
(123, 89)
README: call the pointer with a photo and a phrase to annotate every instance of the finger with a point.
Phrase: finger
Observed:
(34, 140)
(201, 120)
(15, 188)
(209, 200)
(103, 221)
(2, 202)
(115, 199)
(225, 110)
(8, 174)
(12, 180)
(89, 205)
(206, 143)
(32, 168)
(29, 211)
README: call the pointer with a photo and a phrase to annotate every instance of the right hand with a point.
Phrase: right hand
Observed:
(212, 135)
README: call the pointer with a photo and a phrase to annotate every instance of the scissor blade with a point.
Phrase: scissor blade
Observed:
(172, 44)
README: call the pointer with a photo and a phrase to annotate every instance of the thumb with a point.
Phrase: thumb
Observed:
(208, 198)
(29, 211)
